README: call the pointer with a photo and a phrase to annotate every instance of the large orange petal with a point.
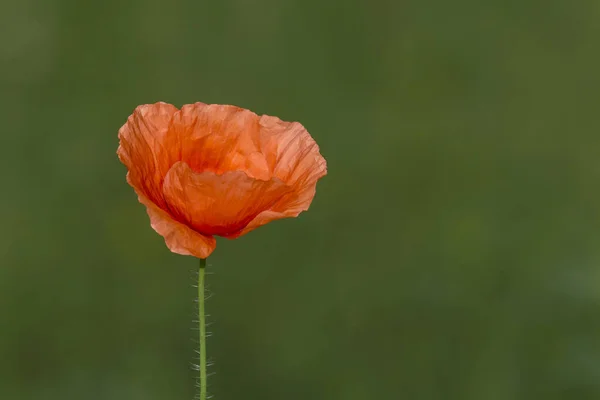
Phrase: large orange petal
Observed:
(147, 149)
(218, 204)
(291, 152)
(221, 138)
(290, 205)
(179, 238)
(294, 157)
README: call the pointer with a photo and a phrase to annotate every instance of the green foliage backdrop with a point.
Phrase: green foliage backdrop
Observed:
(453, 251)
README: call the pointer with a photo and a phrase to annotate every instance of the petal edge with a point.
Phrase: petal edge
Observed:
(179, 238)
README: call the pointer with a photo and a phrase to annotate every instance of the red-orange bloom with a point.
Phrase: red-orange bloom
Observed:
(221, 170)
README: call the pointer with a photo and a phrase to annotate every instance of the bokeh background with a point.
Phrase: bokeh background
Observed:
(453, 251)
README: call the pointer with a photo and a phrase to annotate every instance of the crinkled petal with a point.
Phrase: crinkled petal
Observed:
(179, 238)
(294, 158)
(291, 152)
(218, 204)
(221, 138)
(147, 149)
(290, 205)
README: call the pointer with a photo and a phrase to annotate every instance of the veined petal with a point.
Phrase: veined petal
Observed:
(291, 152)
(218, 204)
(221, 138)
(290, 205)
(179, 238)
(147, 149)
(294, 157)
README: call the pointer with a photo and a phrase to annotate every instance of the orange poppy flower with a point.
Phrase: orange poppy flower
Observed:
(209, 170)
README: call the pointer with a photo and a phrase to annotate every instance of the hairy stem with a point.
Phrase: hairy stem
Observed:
(202, 323)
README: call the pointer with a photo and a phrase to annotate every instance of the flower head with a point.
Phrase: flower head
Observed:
(209, 170)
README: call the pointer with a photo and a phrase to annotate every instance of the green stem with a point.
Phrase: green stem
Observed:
(202, 323)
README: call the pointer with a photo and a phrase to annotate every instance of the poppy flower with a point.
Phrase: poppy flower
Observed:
(216, 170)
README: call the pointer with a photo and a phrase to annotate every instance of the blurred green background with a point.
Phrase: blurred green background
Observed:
(453, 251)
